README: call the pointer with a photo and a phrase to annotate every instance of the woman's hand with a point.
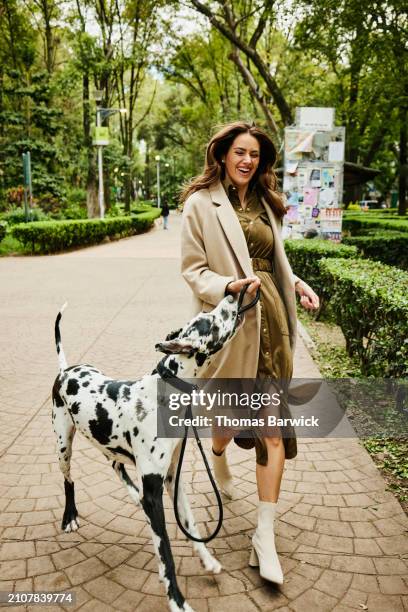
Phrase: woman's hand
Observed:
(308, 298)
(235, 286)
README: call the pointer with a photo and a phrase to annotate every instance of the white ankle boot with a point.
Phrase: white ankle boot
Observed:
(222, 474)
(264, 552)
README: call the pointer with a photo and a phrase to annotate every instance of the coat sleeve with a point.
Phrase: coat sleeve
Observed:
(207, 285)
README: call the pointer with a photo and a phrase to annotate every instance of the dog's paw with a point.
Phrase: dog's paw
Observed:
(226, 487)
(211, 564)
(71, 525)
(174, 607)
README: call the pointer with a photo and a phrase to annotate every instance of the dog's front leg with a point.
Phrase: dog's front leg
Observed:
(152, 503)
(209, 562)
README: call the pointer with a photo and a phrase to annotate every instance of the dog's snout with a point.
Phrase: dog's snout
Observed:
(230, 299)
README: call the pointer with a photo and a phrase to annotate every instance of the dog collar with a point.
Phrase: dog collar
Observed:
(176, 382)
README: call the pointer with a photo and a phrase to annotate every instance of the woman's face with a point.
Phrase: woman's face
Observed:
(242, 159)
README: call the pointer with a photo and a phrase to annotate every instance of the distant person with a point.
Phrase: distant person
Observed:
(165, 212)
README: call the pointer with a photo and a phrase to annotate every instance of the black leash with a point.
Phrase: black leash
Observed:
(167, 375)
(185, 387)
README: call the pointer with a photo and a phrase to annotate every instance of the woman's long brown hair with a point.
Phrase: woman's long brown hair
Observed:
(264, 178)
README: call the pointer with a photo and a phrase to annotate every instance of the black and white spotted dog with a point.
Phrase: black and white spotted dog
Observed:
(119, 417)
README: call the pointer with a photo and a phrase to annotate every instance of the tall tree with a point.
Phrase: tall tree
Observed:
(87, 59)
(357, 41)
(28, 120)
(46, 13)
(244, 25)
(138, 27)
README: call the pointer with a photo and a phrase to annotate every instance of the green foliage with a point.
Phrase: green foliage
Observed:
(304, 257)
(371, 305)
(354, 206)
(17, 215)
(143, 206)
(53, 236)
(386, 246)
(361, 223)
(31, 124)
(3, 230)
(11, 246)
(354, 41)
(178, 84)
(73, 205)
(391, 456)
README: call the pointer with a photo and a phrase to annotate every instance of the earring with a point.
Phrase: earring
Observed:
(223, 161)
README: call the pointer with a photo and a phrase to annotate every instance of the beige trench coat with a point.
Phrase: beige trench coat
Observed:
(213, 253)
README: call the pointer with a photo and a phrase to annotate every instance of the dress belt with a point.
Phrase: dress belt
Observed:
(260, 264)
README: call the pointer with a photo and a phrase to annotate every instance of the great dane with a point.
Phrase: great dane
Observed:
(120, 418)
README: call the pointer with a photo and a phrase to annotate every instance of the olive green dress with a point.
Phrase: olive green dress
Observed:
(275, 354)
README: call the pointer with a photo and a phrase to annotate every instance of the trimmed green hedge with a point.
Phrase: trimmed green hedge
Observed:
(361, 223)
(3, 230)
(141, 208)
(370, 301)
(375, 212)
(53, 236)
(388, 247)
(304, 257)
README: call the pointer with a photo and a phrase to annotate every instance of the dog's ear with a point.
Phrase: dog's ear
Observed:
(176, 346)
(174, 334)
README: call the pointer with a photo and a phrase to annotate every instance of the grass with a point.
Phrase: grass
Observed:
(389, 454)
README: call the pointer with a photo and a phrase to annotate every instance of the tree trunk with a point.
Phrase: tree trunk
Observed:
(403, 167)
(92, 204)
(128, 192)
(147, 172)
(1, 100)
(256, 94)
(106, 188)
(91, 186)
(353, 138)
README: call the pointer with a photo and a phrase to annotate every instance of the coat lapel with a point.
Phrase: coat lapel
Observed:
(231, 226)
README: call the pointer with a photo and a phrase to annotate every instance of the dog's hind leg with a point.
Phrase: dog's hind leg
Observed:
(124, 477)
(187, 518)
(152, 503)
(65, 430)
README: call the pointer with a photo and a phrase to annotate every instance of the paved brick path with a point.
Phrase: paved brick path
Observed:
(342, 536)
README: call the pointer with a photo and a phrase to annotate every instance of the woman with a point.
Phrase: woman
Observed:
(230, 238)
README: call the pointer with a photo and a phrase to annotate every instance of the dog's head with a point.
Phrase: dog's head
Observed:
(206, 334)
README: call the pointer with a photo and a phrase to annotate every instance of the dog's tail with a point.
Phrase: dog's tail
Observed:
(61, 357)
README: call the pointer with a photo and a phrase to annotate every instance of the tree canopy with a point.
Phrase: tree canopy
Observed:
(179, 70)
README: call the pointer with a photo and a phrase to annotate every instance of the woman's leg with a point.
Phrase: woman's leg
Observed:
(269, 476)
(221, 470)
(219, 444)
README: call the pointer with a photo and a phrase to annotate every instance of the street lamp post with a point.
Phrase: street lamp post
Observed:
(101, 195)
(167, 166)
(116, 170)
(101, 114)
(157, 158)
